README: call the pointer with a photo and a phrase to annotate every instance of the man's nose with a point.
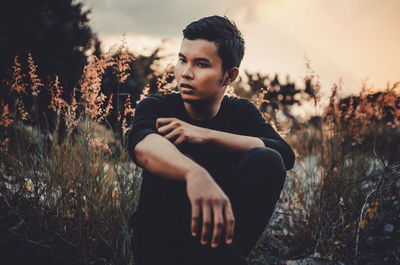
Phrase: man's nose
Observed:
(187, 72)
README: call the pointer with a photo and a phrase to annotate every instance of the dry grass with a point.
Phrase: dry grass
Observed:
(345, 182)
(67, 198)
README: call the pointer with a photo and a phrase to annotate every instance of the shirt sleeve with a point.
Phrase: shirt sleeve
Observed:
(144, 121)
(256, 126)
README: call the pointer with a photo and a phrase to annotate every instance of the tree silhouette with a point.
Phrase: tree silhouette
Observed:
(55, 32)
(57, 35)
(279, 96)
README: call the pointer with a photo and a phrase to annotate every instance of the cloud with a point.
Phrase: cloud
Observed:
(159, 18)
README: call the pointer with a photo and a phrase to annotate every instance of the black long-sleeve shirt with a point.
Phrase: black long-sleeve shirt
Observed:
(236, 115)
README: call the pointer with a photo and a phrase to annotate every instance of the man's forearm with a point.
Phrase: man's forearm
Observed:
(233, 142)
(159, 156)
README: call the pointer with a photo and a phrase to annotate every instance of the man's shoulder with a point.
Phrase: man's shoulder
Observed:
(242, 109)
(158, 104)
(238, 102)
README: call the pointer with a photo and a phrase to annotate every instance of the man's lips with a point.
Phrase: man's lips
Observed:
(186, 85)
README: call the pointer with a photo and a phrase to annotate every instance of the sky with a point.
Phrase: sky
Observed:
(352, 40)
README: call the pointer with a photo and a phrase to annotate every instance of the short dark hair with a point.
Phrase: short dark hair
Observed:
(224, 33)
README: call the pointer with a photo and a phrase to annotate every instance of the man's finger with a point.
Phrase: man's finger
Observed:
(165, 128)
(172, 135)
(229, 223)
(179, 140)
(206, 223)
(163, 121)
(218, 226)
(195, 218)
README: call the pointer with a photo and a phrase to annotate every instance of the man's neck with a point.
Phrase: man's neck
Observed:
(204, 110)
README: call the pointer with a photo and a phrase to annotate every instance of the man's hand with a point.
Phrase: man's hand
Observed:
(179, 132)
(210, 204)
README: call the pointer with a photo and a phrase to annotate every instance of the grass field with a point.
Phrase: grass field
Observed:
(65, 198)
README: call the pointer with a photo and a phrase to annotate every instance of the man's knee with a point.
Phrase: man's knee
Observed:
(268, 162)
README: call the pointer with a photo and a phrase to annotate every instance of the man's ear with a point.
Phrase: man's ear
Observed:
(231, 75)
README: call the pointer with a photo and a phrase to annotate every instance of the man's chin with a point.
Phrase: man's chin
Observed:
(190, 99)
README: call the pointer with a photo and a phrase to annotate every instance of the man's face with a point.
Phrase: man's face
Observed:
(198, 71)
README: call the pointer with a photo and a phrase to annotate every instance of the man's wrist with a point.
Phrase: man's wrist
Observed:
(210, 136)
(195, 171)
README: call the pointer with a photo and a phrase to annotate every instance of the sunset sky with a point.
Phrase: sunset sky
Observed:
(352, 39)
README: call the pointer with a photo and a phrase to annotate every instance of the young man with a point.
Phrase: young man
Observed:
(213, 168)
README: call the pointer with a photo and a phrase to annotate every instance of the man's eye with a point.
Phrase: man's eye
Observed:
(181, 60)
(203, 65)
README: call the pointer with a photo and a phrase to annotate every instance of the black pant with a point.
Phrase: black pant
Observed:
(162, 232)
